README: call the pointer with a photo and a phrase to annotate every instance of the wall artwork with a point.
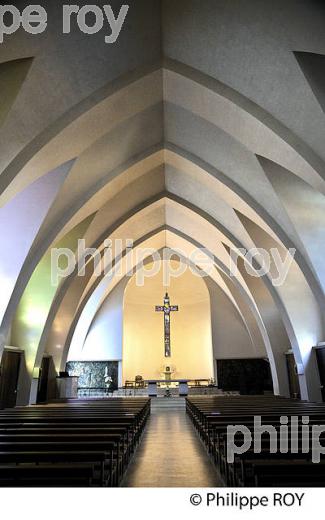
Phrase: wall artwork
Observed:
(97, 375)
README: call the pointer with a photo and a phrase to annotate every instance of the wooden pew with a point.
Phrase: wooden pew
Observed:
(212, 415)
(98, 437)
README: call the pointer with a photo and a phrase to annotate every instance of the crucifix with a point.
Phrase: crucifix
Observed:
(166, 309)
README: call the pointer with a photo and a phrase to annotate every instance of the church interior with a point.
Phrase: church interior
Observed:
(162, 239)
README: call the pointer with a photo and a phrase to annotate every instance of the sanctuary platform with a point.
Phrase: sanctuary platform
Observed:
(161, 391)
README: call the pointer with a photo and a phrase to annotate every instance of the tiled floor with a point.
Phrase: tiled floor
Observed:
(170, 455)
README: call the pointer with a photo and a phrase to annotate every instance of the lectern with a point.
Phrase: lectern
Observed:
(67, 387)
(152, 388)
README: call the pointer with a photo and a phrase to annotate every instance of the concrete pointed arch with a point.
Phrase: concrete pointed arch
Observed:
(306, 209)
(289, 326)
(91, 288)
(39, 142)
(311, 276)
(206, 217)
(64, 287)
(101, 280)
(174, 68)
(20, 221)
(227, 233)
(40, 248)
(87, 195)
(100, 299)
(256, 116)
(171, 253)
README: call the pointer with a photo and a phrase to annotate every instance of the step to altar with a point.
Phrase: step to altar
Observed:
(161, 392)
(167, 403)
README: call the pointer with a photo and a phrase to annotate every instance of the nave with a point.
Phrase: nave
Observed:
(171, 453)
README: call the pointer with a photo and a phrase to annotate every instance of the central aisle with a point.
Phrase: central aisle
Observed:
(170, 453)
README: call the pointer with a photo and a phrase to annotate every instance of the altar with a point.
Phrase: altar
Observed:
(182, 385)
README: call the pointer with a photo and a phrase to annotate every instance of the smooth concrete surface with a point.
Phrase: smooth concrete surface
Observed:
(170, 454)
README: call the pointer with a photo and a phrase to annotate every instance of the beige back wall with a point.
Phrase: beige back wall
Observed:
(143, 332)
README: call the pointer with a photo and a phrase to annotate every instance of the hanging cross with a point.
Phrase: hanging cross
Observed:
(166, 309)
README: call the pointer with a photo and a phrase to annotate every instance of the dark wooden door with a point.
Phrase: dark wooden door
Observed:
(43, 381)
(293, 377)
(10, 365)
(320, 355)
